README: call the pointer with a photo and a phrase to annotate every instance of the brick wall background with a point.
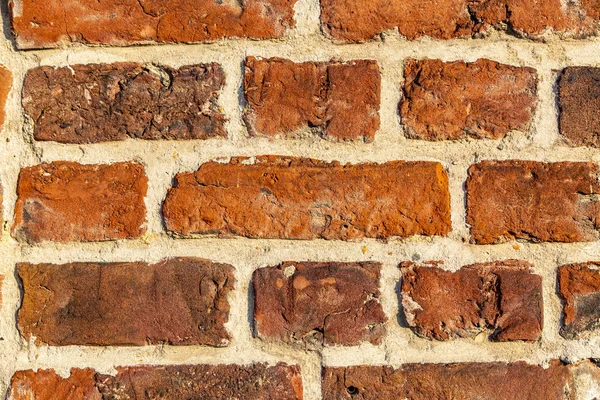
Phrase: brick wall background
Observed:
(367, 193)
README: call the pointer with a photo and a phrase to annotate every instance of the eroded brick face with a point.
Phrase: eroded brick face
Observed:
(579, 288)
(319, 303)
(536, 201)
(339, 100)
(126, 22)
(503, 299)
(578, 101)
(465, 381)
(65, 201)
(5, 86)
(359, 21)
(295, 198)
(181, 301)
(457, 100)
(253, 382)
(104, 102)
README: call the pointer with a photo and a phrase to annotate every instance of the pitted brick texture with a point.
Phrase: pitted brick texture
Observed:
(252, 382)
(295, 198)
(125, 22)
(65, 201)
(319, 303)
(579, 288)
(359, 21)
(180, 301)
(104, 102)
(503, 299)
(457, 100)
(335, 99)
(536, 201)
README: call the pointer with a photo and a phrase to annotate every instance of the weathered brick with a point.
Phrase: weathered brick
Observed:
(253, 382)
(180, 301)
(456, 100)
(465, 381)
(357, 21)
(536, 201)
(124, 22)
(103, 102)
(579, 288)
(503, 298)
(5, 86)
(578, 102)
(336, 99)
(319, 303)
(295, 198)
(66, 201)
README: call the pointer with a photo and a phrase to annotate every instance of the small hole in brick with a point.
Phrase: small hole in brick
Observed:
(352, 390)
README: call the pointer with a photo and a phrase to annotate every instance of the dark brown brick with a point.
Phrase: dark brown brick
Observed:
(335, 99)
(503, 298)
(457, 100)
(535, 201)
(124, 22)
(66, 201)
(319, 303)
(580, 291)
(252, 382)
(465, 381)
(179, 301)
(103, 102)
(294, 198)
(578, 102)
(358, 21)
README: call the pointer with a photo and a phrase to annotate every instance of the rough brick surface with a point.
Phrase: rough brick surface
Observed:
(5, 86)
(456, 100)
(253, 382)
(503, 298)
(179, 301)
(123, 22)
(66, 201)
(319, 303)
(357, 21)
(103, 102)
(335, 99)
(578, 102)
(540, 202)
(579, 288)
(465, 381)
(295, 198)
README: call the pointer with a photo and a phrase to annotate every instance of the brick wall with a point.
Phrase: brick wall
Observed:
(286, 199)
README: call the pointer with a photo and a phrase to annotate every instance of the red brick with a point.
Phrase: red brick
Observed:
(102, 102)
(295, 198)
(124, 22)
(535, 201)
(180, 301)
(579, 288)
(252, 382)
(319, 303)
(578, 101)
(335, 99)
(357, 21)
(465, 381)
(66, 201)
(503, 298)
(5, 86)
(457, 100)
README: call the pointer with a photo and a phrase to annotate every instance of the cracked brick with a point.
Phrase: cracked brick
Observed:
(295, 198)
(106, 102)
(65, 201)
(457, 100)
(180, 301)
(339, 100)
(125, 22)
(319, 303)
(579, 288)
(534, 201)
(502, 298)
